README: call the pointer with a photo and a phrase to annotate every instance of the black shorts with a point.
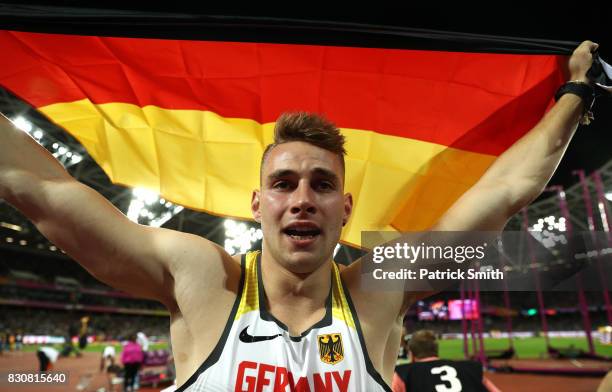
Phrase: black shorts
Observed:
(82, 342)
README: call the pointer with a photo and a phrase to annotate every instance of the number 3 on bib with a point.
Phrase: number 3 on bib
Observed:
(448, 374)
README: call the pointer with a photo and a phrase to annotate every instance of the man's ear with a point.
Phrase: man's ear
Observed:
(255, 206)
(348, 208)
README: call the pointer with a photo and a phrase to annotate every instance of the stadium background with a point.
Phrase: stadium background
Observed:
(43, 292)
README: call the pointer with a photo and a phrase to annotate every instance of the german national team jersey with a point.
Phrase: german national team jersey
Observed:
(442, 376)
(256, 352)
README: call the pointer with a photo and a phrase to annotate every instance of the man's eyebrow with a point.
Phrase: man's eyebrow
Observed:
(326, 173)
(280, 173)
(319, 171)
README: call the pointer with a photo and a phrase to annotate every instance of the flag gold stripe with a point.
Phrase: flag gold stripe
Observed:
(206, 162)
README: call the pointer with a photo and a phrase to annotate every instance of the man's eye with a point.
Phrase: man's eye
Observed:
(326, 186)
(281, 185)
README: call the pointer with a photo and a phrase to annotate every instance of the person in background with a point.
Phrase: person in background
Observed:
(69, 346)
(132, 357)
(2, 340)
(109, 365)
(427, 372)
(83, 333)
(11, 341)
(19, 340)
(143, 340)
(402, 355)
(47, 356)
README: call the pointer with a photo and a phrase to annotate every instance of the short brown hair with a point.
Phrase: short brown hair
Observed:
(305, 127)
(423, 344)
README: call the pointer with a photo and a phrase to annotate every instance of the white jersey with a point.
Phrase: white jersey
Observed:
(143, 341)
(256, 352)
(109, 351)
(51, 353)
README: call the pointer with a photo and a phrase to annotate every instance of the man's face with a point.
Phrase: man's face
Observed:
(301, 205)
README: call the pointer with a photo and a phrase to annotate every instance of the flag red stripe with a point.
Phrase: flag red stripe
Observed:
(472, 101)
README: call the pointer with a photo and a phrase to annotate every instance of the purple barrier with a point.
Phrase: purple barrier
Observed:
(156, 358)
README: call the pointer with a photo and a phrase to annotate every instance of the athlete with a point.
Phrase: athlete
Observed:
(285, 318)
(427, 372)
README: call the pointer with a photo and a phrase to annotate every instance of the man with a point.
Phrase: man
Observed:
(69, 347)
(427, 372)
(132, 358)
(285, 317)
(47, 356)
(83, 332)
(108, 365)
(143, 340)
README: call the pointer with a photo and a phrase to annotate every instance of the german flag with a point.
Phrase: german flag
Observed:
(191, 118)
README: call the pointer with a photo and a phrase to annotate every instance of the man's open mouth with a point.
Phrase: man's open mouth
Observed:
(305, 233)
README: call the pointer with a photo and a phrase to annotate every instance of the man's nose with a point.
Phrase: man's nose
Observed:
(303, 200)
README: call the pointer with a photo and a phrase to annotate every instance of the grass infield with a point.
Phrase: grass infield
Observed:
(525, 347)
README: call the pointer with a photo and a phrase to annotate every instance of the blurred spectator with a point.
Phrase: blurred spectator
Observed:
(109, 365)
(132, 358)
(47, 356)
(141, 338)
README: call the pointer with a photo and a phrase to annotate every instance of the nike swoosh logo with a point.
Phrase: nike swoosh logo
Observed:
(246, 338)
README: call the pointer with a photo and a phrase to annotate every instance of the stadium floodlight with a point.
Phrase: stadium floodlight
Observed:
(62, 153)
(11, 226)
(146, 195)
(551, 222)
(134, 210)
(163, 218)
(239, 238)
(549, 231)
(23, 124)
(147, 208)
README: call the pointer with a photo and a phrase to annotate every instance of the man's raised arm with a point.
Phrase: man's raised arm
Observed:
(520, 174)
(81, 222)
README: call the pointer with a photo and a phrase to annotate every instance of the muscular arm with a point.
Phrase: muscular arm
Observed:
(520, 174)
(81, 222)
(517, 177)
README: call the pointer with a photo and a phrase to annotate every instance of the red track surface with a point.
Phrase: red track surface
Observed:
(88, 365)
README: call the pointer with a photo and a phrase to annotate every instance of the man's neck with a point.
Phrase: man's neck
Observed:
(426, 359)
(285, 288)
